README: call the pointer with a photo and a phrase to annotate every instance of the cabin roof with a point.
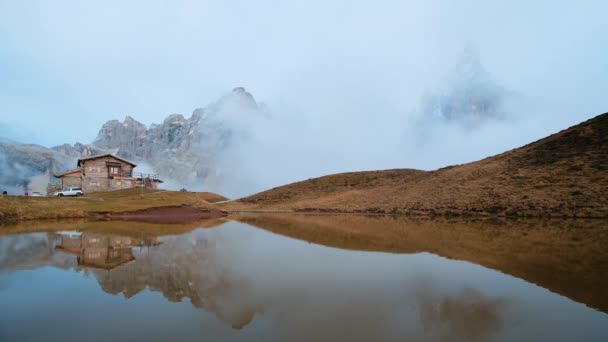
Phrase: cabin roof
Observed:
(61, 174)
(105, 155)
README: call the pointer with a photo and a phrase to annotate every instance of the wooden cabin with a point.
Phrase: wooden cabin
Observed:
(104, 172)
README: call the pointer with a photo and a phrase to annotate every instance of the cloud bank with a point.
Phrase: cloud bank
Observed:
(344, 81)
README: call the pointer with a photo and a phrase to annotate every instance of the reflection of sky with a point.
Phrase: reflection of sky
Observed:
(296, 290)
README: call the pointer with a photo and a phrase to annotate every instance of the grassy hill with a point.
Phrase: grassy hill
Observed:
(17, 208)
(563, 175)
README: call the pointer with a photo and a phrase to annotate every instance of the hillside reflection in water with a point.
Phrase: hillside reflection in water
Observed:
(237, 282)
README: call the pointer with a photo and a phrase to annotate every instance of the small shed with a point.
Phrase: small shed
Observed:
(70, 178)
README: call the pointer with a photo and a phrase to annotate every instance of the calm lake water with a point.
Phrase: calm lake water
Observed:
(305, 278)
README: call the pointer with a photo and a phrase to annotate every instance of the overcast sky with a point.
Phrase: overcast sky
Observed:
(66, 67)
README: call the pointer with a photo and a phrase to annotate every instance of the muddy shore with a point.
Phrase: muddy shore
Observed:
(166, 214)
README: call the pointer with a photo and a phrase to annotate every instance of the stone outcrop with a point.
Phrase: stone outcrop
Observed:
(127, 136)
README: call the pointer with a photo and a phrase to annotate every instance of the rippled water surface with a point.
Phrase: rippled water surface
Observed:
(305, 278)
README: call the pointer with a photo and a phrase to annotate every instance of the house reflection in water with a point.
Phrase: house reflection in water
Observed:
(101, 250)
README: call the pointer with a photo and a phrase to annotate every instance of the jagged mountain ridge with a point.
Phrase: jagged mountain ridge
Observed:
(468, 93)
(180, 150)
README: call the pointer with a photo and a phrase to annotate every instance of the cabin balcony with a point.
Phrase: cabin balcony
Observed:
(120, 174)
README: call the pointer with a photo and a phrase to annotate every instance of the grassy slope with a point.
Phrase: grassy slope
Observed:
(565, 174)
(207, 196)
(15, 208)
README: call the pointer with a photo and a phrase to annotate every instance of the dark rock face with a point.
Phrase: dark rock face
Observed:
(127, 136)
(469, 94)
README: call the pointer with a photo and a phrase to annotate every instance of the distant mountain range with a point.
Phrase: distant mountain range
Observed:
(186, 152)
(181, 150)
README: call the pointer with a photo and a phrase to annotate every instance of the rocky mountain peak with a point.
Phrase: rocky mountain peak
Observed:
(198, 114)
(174, 119)
(130, 122)
(120, 136)
(469, 68)
(468, 93)
(241, 97)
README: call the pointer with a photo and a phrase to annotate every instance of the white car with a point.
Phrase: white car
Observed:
(36, 194)
(69, 192)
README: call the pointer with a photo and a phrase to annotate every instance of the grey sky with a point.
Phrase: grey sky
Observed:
(66, 67)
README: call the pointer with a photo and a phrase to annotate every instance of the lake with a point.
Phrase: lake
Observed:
(305, 278)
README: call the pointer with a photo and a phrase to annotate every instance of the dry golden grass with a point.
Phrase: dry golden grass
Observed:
(564, 256)
(564, 175)
(16, 208)
(106, 195)
(333, 185)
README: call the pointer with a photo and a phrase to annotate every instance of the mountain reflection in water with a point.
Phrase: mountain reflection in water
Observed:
(236, 282)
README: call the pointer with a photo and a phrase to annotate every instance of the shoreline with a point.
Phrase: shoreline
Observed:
(431, 213)
(125, 203)
(180, 214)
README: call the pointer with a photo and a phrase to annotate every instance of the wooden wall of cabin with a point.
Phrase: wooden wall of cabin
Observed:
(95, 168)
(96, 176)
(90, 184)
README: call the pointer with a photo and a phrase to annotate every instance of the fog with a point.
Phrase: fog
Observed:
(346, 85)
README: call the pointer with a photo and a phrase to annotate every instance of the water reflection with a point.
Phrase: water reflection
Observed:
(466, 315)
(239, 283)
(100, 250)
(78, 249)
(565, 256)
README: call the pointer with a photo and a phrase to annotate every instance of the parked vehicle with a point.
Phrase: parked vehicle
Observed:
(69, 192)
(36, 194)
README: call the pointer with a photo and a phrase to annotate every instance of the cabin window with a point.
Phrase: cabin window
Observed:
(114, 171)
